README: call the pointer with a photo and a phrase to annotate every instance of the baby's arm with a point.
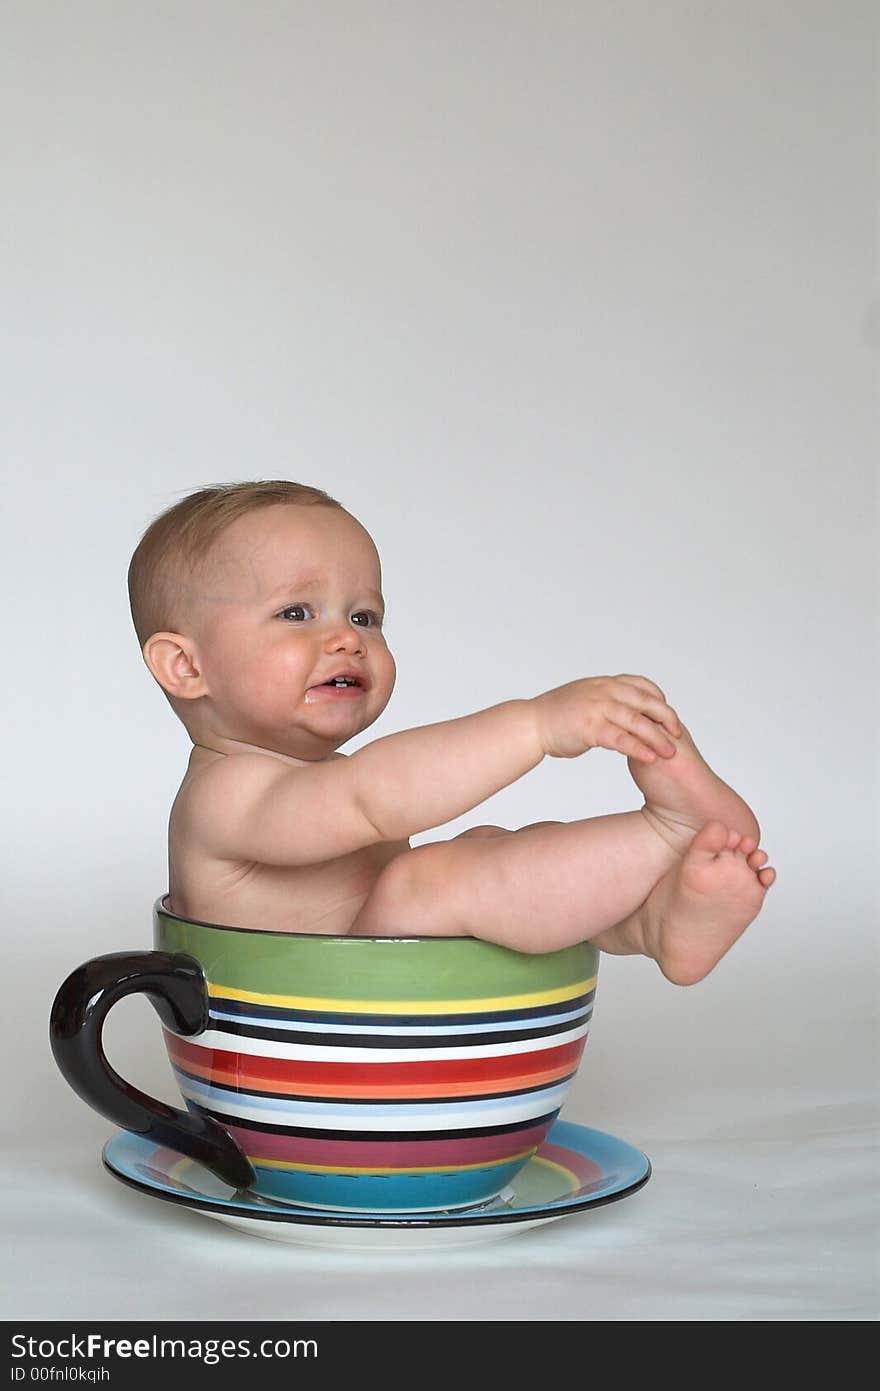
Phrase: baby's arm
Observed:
(423, 777)
(249, 807)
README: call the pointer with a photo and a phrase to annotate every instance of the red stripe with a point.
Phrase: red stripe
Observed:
(371, 1091)
(386, 1154)
(279, 1074)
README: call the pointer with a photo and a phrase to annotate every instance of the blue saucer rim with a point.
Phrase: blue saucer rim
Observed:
(311, 1217)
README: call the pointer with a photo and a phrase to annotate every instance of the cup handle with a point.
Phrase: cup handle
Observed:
(175, 986)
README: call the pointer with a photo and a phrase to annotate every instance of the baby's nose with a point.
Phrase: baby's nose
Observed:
(346, 637)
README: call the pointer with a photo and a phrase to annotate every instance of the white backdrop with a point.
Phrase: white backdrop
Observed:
(576, 308)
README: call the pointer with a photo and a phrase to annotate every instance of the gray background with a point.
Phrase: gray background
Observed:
(575, 307)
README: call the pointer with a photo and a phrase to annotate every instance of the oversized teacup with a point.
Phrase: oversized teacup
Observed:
(385, 1074)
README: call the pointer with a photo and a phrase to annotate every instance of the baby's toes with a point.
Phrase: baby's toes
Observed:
(710, 841)
(742, 872)
(766, 877)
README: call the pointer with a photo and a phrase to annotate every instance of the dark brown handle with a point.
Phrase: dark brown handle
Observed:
(175, 985)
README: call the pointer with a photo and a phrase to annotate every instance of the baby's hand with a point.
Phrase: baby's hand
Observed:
(621, 713)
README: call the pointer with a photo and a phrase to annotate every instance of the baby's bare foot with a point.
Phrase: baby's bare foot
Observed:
(702, 905)
(682, 793)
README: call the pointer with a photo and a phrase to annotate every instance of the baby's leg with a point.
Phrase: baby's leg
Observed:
(543, 887)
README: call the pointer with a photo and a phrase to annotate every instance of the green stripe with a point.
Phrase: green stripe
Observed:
(368, 968)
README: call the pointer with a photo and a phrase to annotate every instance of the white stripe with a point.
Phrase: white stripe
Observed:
(214, 1041)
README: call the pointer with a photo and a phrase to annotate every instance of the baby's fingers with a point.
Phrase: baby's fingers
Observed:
(643, 684)
(632, 747)
(634, 734)
(657, 707)
(649, 731)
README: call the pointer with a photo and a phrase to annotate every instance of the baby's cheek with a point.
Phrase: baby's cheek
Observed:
(388, 668)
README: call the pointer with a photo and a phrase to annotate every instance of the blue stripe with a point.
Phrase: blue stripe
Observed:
(276, 1013)
(408, 1031)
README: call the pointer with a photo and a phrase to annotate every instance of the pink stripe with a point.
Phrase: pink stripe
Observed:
(386, 1154)
(578, 1164)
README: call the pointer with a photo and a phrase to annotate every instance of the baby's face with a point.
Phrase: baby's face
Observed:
(292, 596)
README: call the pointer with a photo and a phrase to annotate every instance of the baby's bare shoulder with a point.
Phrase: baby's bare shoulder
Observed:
(235, 768)
(250, 806)
(246, 776)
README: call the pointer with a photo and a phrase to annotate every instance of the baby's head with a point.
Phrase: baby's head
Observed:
(246, 598)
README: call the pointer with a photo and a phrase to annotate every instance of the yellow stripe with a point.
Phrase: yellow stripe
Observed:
(389, 1173)
(568, 1174)
(178, 1169)
(459, 1006)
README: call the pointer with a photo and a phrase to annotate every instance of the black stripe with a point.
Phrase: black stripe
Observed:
(308, 1132)
(369, 1100)
(420, 1041)
(315, 1016)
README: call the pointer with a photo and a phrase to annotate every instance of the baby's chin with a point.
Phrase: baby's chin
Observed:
(320, 721)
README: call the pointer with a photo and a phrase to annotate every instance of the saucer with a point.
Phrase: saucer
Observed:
(574, 1169)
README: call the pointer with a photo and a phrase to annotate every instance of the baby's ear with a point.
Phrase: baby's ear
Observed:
(173, 660)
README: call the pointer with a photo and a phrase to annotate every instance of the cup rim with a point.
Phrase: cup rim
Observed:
(159, 907)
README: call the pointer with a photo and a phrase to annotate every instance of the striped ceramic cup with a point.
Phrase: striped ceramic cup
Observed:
(385, 1074)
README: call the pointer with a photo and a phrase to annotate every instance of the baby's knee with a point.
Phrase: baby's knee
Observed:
(422, 872)
(397, 900)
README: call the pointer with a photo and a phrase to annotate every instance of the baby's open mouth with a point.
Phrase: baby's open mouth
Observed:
(344, 685)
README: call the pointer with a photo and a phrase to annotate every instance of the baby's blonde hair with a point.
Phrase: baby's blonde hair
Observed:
(178, 541)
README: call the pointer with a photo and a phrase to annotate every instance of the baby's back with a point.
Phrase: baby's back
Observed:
(242, 890)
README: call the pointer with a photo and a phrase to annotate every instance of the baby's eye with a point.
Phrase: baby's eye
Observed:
(294, 608)
(374, 620)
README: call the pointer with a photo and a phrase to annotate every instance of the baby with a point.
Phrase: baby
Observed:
(259, 611)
